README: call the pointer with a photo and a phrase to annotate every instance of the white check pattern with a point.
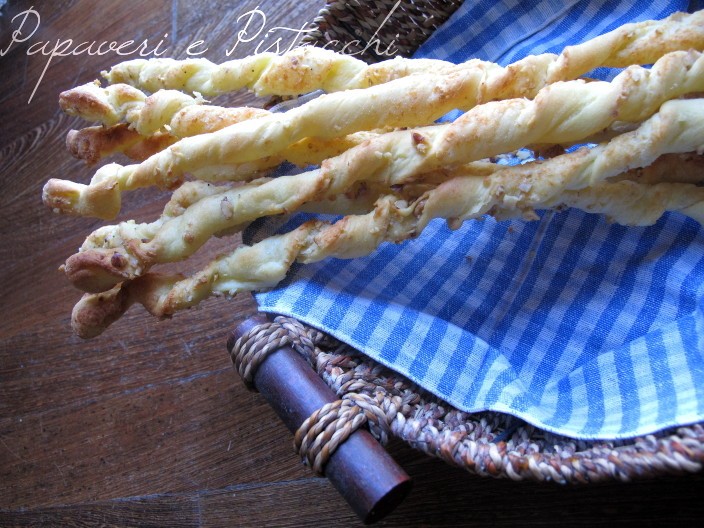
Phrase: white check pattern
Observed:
(578, 326)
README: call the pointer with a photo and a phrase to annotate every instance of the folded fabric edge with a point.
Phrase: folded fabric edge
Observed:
(682, 421)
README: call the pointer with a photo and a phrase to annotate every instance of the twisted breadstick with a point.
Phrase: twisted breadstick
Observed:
(127, 232)
(639, 43)
(629, 203)
(301, 70)
(358, 200)
(511, 192)
(584, 179)
(306, 69)
(119, 235)
(95, 199)
(190, 119)
(678, 127)
(670, 168)
(181, 114)
(560, 112)
(92, 144)
(107, 106)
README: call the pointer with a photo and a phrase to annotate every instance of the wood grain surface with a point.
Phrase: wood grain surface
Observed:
(148, 424)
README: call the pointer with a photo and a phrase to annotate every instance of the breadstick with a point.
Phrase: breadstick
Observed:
(583, 179)
(181, 114)
(670, 168)
(108, 106)
(638, 43)
(301, 70)
(359, 199)
(561, 112)
(678, 127)
(634, 43)
(92, 144)
(629, 203)
(266, 263)
(102, 198)
(306, 69)
(118, 235)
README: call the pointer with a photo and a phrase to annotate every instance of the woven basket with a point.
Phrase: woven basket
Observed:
(486, 443)
(374, 31)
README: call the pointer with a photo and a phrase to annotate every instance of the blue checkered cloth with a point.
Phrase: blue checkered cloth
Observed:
(573, 324)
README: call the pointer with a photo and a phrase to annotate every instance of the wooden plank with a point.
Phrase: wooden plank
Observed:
(442, 496)
(175, 511)
(309, 502)
(201, 432)
(55, 368)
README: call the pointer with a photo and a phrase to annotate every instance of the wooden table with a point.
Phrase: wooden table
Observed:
(148, 424)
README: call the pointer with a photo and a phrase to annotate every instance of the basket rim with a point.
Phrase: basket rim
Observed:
(486, 443)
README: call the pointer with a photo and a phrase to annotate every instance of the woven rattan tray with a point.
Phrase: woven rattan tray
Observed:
(487, 443)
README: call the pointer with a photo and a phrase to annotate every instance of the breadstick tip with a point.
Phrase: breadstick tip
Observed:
(94, 313)
(101, 199)
(98, 270)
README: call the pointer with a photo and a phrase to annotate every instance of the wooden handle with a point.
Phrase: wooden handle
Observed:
(361, 469)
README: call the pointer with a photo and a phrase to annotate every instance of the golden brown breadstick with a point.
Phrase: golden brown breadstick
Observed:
(678, 127)
(670, 168)
(358, 199)
(108, 106)
(630, 203)
(181, 114)
(573, 180)
(92, 144)
(306, 69)
(560, 112)
(266, 263)
(119, 235)
(310, 150)
(301, 70)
